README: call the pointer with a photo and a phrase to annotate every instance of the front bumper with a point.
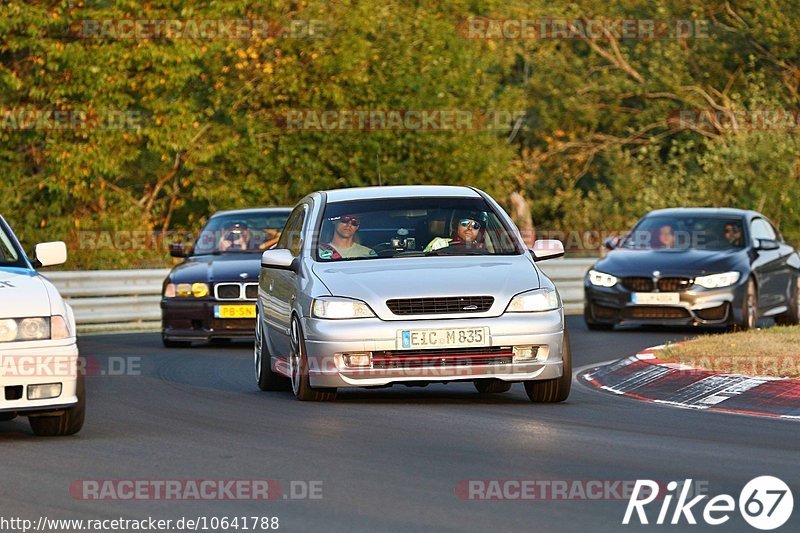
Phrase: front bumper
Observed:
(23, 364)
(326, 340)
(193, 320)
(697, 306)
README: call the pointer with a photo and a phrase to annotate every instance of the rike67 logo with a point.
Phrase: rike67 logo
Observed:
(765, 503)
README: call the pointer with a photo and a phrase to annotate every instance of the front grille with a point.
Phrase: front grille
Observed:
(638, 284)
(490, 355)
(674, 284)
(236, 291)
(433, 306)
(251, 291)
(654, 311)
(714, 313)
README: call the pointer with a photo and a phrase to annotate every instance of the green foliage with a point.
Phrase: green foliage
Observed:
(204, 130)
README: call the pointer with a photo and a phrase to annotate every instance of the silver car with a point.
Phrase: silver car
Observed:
(370, 287)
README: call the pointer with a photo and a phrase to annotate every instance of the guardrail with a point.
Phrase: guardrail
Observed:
(129, 299)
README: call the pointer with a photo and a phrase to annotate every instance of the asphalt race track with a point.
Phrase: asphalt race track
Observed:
(388, 459)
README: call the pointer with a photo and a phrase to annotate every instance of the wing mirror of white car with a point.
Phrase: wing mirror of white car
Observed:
(767, 244)
(49, 254)
(547, 249)
(280, 258)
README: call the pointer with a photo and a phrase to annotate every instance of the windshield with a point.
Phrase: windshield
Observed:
(412, 227)
(9, 256)
(682, 232)
(250, 232)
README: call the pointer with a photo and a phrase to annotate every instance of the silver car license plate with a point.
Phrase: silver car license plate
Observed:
(410, 339)
(656, 298)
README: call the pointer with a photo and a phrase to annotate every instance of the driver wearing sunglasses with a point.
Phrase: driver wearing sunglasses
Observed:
(468, 232)
(343, 244)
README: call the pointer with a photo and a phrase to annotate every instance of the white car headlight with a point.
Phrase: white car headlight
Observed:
(534, 301)
(335, 307)
(601, 279)
(24, 329)
(716, 281)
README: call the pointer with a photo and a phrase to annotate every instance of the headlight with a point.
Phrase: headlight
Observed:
(534, 301)
(185, 290)
(338, 308)
(24, 329)
(601, 279)
(715, 281)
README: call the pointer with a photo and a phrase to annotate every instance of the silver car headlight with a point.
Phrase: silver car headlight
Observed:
(24, 329)
(601, 279)
(534, 301)
(717, 281)
(337, 308)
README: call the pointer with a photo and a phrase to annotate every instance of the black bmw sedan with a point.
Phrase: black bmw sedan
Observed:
(695, 266)
(211, 294)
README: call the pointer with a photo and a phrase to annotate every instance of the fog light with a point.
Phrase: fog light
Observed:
(357, 359)
(44, 391)
(525, 353)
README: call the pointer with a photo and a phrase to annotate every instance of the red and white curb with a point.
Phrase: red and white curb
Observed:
(645, 377)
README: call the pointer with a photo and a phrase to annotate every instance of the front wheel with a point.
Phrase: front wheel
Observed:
(67, 423)
(266, 378)
(298, 361)
(749, 307)
(554, 390)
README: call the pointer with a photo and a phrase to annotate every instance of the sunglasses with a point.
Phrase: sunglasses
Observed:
(353, 221)
(467, 223)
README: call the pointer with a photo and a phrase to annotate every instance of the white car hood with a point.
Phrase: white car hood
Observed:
(23, 293)
(377, 280)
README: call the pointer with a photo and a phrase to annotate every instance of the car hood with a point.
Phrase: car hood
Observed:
(672, 262)
(215, 268)
(22, 294)
(377, 280)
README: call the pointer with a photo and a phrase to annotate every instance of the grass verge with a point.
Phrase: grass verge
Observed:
(773, 352)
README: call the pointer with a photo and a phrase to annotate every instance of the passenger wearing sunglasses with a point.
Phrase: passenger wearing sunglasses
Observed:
(468, 232)
(343, 244)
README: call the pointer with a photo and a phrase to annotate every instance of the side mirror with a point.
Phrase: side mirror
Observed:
(177, 250)
(279, 258)
(767, 244)
(49, 254)
(547, 249)
(611, 242)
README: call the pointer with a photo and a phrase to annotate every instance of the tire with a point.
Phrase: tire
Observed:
(491, 386)
(298, 363)
(553, 390)
(266, 378)
(749, 310)
(792, 316)
(174, 344)
(591, 324)
(67, 423)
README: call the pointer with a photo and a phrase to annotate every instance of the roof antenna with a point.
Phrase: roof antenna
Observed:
(378, 165)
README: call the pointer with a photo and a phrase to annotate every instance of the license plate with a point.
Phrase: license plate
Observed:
(410, 339)
(656, 298)
(234, 311)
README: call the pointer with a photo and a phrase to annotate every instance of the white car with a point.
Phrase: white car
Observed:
(39, 376)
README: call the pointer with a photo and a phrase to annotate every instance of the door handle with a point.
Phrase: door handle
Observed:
(270, 284)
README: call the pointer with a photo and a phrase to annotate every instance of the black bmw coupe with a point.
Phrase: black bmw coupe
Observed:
(695, 266)
(211, 295)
